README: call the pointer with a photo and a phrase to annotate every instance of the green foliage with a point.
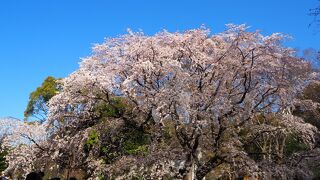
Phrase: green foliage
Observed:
(126, 140)
(136, 143)
(112, 109)
(101, 177)
(109, 155)
(134, 149)
(93, 138)
(167, 177)
(137, 177)
(168, 132)
(39, 98)
(293, 145)
(3, 164)
(244, 132)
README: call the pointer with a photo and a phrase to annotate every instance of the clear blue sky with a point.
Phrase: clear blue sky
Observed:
(39, 38)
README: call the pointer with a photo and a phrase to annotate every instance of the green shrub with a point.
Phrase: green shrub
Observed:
(167, 133)
(136, 142)
(137, 177)
(93, 138)
(113, 109)
(293, 145)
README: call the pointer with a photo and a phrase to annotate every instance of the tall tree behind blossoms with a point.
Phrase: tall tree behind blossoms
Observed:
(37, 105)
(210, 87)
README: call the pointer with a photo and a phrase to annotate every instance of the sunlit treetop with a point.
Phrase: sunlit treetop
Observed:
(37, 105)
